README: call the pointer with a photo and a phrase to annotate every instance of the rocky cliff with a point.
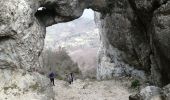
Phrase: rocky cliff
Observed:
(135, 34)
(138, 30)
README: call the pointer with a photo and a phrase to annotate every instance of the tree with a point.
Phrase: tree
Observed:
(60, 62)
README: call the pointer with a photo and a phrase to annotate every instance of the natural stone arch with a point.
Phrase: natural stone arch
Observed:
(22, 30)
(23, 27)
(66, 10)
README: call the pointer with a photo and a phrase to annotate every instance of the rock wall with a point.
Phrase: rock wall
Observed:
(121, 31)
(135, 34)
(22, 34)
(23, 24)
(22, 29)
(22, 85)
(139, 31)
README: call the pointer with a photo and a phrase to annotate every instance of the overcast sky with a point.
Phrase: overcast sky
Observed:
(83, 25)
(88, 13)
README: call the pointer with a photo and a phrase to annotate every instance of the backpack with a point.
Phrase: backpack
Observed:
(51, 75)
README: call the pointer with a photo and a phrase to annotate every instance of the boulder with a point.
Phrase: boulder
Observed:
(166, 92)
(148, 93)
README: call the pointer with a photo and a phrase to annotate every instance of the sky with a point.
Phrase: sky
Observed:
(88, 13)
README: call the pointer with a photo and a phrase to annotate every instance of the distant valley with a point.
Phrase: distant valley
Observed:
(81, 40)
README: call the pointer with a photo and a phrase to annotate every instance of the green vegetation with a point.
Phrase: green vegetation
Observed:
(13, 86)
(135, 83)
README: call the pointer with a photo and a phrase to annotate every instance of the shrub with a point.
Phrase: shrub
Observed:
(135, 84)
(59, 61)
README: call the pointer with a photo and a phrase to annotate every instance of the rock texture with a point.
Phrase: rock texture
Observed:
(148, 93)
(134, 33)
(152, 93)
(22, 30)
(139, 31)
(22, 85)
(166, 92)
(160, 40)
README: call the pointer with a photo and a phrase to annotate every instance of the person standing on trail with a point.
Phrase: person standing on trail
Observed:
(52, 76)
(70, 78)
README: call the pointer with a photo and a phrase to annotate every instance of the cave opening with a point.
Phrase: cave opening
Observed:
(72, 46)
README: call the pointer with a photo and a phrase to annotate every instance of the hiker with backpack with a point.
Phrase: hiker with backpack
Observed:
(70, 78)
(52, 75)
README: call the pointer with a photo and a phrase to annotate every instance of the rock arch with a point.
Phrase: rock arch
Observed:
(23, 27)
(142, 39)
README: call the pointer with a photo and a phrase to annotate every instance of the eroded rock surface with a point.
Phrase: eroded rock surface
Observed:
(166, 92)
(138, 30)
(21, 36)
(22, 32)
(148, 93)
(22, 85)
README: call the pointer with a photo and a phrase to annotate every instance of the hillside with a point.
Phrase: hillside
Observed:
(80, 38)
(80, 33)
(87, 61)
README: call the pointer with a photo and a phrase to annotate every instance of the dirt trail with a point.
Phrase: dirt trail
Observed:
(91, 90)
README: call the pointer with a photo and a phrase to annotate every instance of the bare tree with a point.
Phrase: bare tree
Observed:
(60, 62)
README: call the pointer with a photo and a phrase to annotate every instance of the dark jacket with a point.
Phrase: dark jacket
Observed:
(51, 75)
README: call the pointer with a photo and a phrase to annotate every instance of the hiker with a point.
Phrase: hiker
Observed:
(70, 78)
(52, 76)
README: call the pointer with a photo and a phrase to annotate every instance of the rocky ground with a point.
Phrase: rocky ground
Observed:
(21, 85)
(92, 90)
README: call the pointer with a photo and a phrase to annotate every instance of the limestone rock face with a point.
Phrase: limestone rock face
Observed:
(21, 35)
(148, 93)
(152, 93)
(160, 38)
(22, 85)
(120, 29)
(139, 29)
(135, 34)
(166, 92)
(22, 27)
